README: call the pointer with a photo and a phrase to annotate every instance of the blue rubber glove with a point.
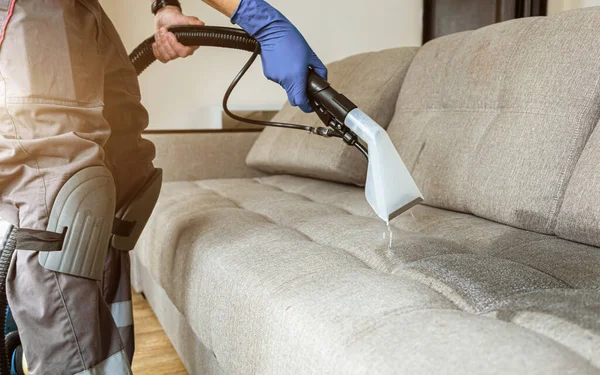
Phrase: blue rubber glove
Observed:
(285, 53)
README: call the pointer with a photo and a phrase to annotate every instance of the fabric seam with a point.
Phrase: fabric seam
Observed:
(304, 196)
(62, 298)
(89, 371)
(572, 162)
(57, 102)
(497, 111)
(536, 332)
(98, 22)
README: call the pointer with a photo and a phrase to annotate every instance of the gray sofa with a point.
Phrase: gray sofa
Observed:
(263, 256)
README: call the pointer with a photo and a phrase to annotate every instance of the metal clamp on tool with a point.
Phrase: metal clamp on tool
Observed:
(332, 108)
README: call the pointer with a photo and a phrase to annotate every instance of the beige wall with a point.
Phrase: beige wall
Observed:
(188, 93)
(555, 6)
(110, 7)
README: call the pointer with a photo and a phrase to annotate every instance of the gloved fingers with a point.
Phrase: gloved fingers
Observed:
(298, 97)
(301, 98)
(306, 107)
(318, 66)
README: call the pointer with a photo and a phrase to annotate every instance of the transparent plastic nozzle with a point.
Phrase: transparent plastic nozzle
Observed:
(390, 189)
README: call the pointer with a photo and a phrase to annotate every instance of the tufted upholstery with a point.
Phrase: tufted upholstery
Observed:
(493, 121)
(497, 274)
(287, 275)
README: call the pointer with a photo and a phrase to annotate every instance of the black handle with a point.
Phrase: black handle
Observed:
(321, 94)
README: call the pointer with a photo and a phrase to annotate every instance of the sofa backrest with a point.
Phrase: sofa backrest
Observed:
(372, 81)
(493, 122)
(579, 217)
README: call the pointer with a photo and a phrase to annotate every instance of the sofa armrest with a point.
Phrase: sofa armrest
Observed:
(203, 154)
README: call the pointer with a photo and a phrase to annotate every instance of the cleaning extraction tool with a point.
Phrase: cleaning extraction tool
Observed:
(390, 189)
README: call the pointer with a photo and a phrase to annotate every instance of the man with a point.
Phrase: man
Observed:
(75, 171)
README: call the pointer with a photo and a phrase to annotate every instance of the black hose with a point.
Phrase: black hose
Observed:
(13, 341)
(5, 258)
(362, 149)
(232, 87)
(213, 36)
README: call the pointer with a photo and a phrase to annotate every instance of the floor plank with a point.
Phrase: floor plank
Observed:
(154, 354)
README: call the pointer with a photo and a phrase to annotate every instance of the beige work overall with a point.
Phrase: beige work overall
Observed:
(69, 99)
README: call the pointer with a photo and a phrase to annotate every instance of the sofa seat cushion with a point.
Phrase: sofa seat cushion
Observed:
(287, 275)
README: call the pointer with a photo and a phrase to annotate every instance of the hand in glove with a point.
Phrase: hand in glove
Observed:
(286, 56)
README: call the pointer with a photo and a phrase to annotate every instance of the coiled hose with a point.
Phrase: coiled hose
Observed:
(210, 36)
(225, 37)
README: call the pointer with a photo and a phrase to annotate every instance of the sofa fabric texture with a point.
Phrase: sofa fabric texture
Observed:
(498, 273)
(579, 218)
(492, 122)
(177, 155)
(288, 275)
(373, 81)
(196, 358)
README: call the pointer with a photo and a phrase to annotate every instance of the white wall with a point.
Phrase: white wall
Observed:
(555, 6)
(188, 93)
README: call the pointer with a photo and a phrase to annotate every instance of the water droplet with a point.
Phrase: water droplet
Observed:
(391, 234)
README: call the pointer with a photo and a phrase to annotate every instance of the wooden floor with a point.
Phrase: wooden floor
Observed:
(154, 354)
